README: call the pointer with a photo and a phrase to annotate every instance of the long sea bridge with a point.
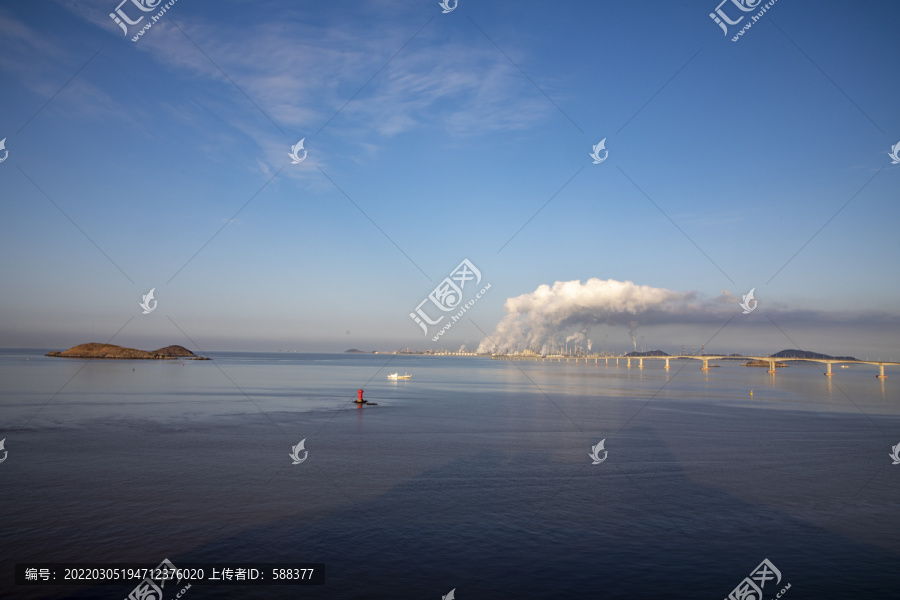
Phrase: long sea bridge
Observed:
(705, 358)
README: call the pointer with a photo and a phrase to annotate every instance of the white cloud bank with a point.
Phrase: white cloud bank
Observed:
(567, 311)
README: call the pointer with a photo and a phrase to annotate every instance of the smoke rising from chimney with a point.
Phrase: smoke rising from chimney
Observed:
(545, 317)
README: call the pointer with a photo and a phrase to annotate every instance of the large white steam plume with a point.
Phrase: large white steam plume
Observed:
(543, 318)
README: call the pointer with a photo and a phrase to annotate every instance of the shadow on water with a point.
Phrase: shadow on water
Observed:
(495, 525)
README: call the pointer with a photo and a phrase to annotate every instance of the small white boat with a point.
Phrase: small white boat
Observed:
(398, 376)
(845, 366)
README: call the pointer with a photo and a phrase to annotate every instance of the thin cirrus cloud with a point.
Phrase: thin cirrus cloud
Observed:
(473, 94)
(41, 64)
(297, 82)
(22, 45)
(301, 75)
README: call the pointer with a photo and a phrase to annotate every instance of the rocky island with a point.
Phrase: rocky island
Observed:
(112, 351)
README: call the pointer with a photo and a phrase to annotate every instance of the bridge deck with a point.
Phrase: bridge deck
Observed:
(705, 358)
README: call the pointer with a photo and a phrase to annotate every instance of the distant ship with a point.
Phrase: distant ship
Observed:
(398, 376)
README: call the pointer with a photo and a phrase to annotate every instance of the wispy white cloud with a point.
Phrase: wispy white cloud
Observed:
(243, 77)
(21, 45)
(44, 66)
(302, 74)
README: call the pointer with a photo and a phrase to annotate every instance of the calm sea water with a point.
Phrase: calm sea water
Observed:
(474, 475)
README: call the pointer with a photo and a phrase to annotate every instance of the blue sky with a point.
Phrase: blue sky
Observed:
(435, 137)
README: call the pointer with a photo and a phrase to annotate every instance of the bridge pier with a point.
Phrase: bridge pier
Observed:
(772, 367)
(629, 363)
(828, 372)
(881, 374)
(640, 363)
(667, 363)
(705, 365)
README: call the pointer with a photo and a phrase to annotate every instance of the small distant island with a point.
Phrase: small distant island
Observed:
(764, 363)
(808, 354)
(794, 354)
(111, 351)
(355, 351)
